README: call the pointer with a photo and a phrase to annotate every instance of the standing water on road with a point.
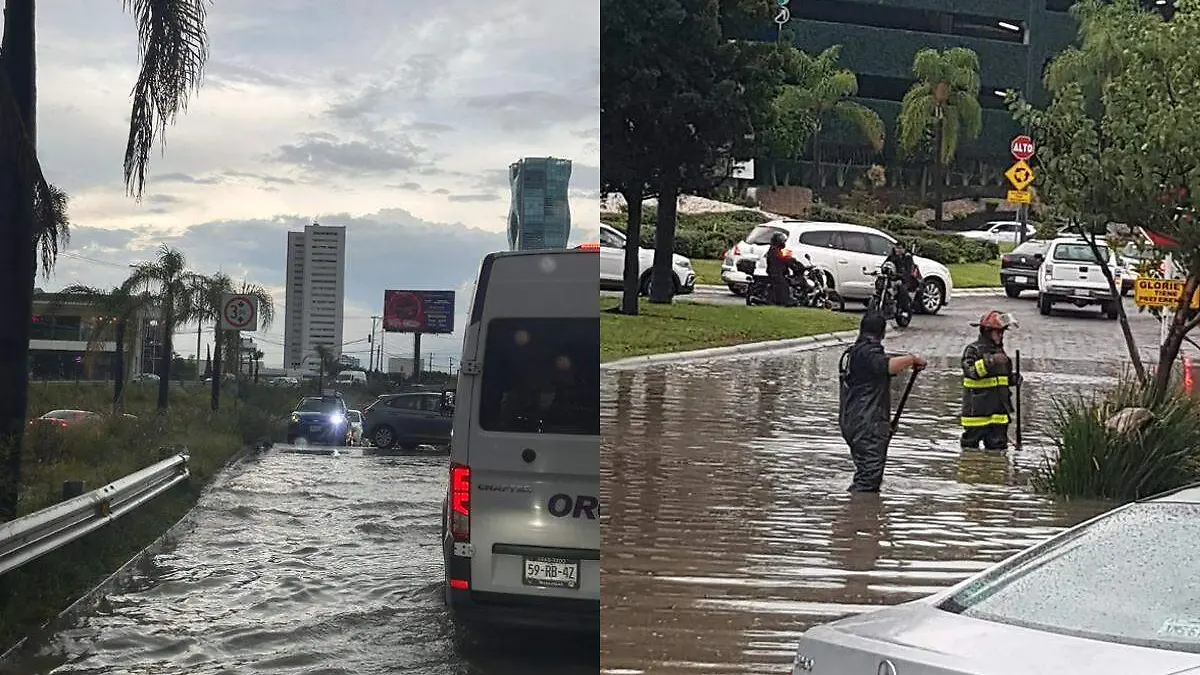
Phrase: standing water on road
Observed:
(730, 531)
(297, 564)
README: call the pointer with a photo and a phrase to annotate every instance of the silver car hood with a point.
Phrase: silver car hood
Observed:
(920, 639)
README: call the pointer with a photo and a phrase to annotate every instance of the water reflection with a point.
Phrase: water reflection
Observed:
(730, 530)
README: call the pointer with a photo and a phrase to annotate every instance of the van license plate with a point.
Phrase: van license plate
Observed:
(1019, 280)
(551, 572)
(314, 427)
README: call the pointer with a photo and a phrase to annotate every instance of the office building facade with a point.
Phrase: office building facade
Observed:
(316, 283)
(540, 213)
(1015, 40)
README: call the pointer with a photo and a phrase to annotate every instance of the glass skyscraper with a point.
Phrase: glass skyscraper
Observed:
(540, 215)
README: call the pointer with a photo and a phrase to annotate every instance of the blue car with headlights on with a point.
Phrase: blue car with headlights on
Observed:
(320, 419)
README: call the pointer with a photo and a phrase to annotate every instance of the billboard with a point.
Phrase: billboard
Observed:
(418, 311)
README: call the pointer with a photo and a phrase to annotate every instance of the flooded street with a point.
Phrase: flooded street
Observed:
(298, 564)
(730, 531)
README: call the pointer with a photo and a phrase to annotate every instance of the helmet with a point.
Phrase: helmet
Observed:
(888, 268)
(994, 320)
(778, 239)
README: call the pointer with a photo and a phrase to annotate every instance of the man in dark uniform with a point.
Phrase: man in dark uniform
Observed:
(865, 405)
(779, 265)
(987, 385)
(906, 270)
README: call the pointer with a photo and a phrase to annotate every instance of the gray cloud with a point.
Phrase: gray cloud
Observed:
(262, 178)
(411, 186)
(178, 177)
(224, 74)
(163, 199)
(429, 127)
(326, 153)
(441, 191)
(478, 197)
(525, 110)
(410, 81)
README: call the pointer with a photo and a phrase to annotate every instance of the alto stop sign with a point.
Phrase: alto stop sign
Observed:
(1022, 147)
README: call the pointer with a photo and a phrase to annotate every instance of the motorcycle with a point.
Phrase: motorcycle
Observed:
(885, 299)
(807, 283)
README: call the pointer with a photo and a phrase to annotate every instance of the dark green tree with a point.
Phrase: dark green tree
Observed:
(115, 309)
(173, 48)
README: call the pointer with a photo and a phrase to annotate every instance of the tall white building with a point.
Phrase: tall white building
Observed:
(316, 287)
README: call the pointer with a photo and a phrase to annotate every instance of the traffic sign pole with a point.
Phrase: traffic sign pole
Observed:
(1022, 148)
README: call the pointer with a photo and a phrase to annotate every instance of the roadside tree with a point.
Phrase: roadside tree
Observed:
(1119, 143)
(944, 100)
(825, 89)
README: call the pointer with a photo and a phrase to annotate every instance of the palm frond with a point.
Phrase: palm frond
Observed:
(950, 133)
(969, 114)
(51, 227)
(928, 66)
(916, 114)
(867, 120)
(172, 48)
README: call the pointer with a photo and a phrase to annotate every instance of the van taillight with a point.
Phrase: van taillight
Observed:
(460, 502)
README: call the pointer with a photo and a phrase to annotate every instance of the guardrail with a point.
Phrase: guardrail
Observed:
(30, 537)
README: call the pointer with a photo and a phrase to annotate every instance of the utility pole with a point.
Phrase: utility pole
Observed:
(374, 321)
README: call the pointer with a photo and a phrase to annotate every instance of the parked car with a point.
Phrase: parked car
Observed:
(350, 378)
(145, 378)
(408, 420)
(319, 419)
(846, 253)
(1001, 232)
(1072, 274)
(285, 382)
(612, 264)
(1109, 596)
(65, 419)
(521, 519)
(355, 419)
(1019, 269)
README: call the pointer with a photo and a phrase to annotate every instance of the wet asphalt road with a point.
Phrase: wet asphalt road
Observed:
(299, 564)
(730, 531)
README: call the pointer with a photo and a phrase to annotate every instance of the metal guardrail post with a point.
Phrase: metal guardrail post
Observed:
(32, 536)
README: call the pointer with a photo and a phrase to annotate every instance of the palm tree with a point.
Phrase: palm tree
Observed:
(115, 309)
(258, 355)
(825, 92)
(173, 288)
(946, 98)
(210, 293)
(173, 50)
(328, 363)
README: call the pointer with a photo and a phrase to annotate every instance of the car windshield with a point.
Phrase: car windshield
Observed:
(761, 235)
(354, 416)
(1127, 578)
(317, 405)
(1075, 252)
(61, 415)
(1031, 248)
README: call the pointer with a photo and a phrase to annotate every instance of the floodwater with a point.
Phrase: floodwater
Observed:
(298, 564)
(729, 530)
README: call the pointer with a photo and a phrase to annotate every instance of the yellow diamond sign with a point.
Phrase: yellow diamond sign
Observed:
(1020, 175)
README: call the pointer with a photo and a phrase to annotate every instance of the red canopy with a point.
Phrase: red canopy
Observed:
(1159, 239)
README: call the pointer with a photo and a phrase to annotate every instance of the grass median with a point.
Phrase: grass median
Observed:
(684, 326)
(109, 449)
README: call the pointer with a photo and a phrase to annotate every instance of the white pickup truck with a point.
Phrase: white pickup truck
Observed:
(1072, 274)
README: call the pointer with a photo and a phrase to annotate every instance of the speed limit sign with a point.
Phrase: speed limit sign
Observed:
(239, 312)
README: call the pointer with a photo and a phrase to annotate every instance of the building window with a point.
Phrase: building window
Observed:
(904, 18)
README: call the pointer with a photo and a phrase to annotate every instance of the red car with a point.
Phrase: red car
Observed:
(63, 419)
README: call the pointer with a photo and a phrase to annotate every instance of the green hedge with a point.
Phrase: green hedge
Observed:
(709, 235)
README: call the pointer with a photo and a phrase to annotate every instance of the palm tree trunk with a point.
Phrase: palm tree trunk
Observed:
(662, 284)
(164, 367)
(216, 367)
(119, 368)
(199, 375)
(633, 243)
(939, 183)
(18, 264)
(816, 145)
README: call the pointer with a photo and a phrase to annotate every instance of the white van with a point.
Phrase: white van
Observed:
(351, 377)
(521, 526)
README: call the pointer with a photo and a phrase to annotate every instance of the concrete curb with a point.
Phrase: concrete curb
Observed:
(806, 343)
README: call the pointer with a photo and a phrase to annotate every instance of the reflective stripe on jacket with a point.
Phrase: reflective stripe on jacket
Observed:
(987, 398)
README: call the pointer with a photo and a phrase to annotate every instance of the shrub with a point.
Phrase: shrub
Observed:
(935, 248)
(1093, 461)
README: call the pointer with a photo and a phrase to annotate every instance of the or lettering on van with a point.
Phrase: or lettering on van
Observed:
(562, 505)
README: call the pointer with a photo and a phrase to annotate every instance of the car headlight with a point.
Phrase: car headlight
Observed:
(685, 264)
(337, 418)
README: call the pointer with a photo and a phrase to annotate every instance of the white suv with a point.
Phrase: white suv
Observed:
(1072, 274)
(612, 264)
(846, 253)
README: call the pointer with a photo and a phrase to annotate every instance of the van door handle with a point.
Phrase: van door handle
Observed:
(843, 262)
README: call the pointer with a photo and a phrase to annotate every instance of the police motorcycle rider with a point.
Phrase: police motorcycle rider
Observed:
(781, 263)
(906, 271)
(988, 379)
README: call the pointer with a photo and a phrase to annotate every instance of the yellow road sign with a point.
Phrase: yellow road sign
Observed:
(1160, 293)
(1020, 196)
(1019, 174)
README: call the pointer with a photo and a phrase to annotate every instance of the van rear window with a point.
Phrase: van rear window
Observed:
(541, 375)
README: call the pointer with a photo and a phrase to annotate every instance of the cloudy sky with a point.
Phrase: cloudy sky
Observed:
(397, 119)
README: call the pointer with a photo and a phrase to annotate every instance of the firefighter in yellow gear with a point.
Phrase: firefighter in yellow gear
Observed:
(988, 379)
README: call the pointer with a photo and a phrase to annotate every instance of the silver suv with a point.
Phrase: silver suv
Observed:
(409, 420)
(521, 532)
